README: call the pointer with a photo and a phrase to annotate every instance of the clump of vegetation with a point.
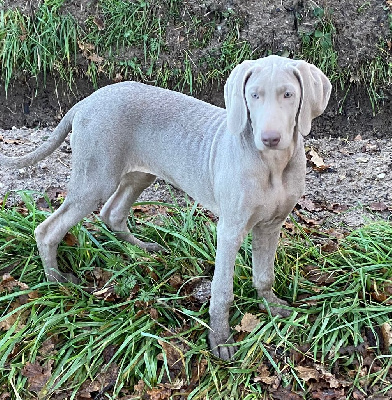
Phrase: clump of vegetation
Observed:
(125, 40)
(136, 327)
(166, 43)
(318, 48)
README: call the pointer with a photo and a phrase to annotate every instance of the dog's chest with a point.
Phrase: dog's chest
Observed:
(277, 197)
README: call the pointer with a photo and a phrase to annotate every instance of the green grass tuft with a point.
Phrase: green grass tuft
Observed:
(137, 315)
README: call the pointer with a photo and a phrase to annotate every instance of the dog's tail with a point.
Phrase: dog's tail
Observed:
(47, 147)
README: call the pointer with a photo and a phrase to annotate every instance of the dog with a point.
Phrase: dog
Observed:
(245, 163)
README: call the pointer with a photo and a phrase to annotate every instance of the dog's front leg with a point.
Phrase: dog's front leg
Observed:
(229, 240)
(264, 244)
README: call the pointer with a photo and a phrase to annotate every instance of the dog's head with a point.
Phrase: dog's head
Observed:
(277, 97)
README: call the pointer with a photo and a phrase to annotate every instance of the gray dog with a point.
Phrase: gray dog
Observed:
(245, 163)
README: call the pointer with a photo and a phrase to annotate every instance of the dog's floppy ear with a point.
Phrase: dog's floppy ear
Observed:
(237, 111)
(315, 92)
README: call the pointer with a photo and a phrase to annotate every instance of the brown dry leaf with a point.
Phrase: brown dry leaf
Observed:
(386, 331)
(18, 317)
(160, 393)
(48, 346)
(308, 221)
(323, 394)
(174, 352)
(86, 46)
(107, 293)
(70, 239)
(104, 381)
(100, 24)
(378, 206)
(316, 275)
(248, 323)
(307, 204)
(317, 161)
(307, 374)
(37, 375)
(8, 283)
(95, 58)
(198, 370)
(264, 375)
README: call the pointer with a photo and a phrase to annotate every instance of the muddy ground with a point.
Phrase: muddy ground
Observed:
(353, 137)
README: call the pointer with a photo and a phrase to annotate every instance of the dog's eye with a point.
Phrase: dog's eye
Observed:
(255, 96)
(287, 95)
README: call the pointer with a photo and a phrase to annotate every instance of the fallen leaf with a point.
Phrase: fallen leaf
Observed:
(37, 375)
(100, 24)
(95, 58)
(160, 393)
(378, 206)
(264, 375)
(86, 46)
(107, 293)
(13, 317)
(174, 352)
(328, 394)
(316, 275)
(307, 374)
(102, 383)
(307, 204)
(386, 332)
(8, 284)
(317, 161)
(70, 239)
(248, 323)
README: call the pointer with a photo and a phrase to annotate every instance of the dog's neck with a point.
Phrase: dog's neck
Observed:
(279, 162)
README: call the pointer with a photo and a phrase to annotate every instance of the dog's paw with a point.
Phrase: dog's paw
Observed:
(62, 277)
(274, 305)
(219, 348)
(154, 248)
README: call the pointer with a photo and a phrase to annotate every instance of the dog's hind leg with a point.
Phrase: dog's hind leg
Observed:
(116, 210)
(50, 233)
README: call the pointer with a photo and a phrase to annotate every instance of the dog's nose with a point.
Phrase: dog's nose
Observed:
(270, 139)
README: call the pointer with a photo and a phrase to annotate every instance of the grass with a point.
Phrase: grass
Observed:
(318, 47)
(132, 326)
(129, 40)
(165, 43)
